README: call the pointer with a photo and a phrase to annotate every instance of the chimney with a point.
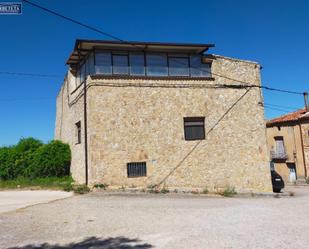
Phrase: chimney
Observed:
(306, 101)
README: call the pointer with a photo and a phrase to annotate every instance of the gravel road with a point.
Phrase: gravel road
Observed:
(100, 220)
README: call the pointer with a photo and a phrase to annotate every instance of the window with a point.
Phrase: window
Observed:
(199, 69)
(194, 128)
(82, 71)
(103, 63)
(120, 64)
(137, 66)
(90, 65)
(78, 132)
(178, 66)
(279, 145)
(156, 64)
(136, 169)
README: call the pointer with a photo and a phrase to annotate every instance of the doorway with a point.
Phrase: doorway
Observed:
(293, 174)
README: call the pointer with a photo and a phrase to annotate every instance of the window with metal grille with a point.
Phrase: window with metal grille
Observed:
(136, 169)
(194, 128)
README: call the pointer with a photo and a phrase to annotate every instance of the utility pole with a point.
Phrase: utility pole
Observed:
(306, 101)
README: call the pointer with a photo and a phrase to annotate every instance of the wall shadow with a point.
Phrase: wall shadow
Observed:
(94, 243)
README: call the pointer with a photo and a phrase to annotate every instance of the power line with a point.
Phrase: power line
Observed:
(127, 42)
(276, 109)
(207, 133)
(31, 74)
(75, 21)
(281, 106)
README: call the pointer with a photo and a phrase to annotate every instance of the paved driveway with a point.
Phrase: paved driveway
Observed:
(12, 200)
(99, 220)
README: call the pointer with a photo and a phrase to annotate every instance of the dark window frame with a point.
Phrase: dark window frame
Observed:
(78, 127)
(186, 123)
(168, 56)
(136, 169)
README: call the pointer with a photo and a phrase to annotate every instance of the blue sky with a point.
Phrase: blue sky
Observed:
(274, 33)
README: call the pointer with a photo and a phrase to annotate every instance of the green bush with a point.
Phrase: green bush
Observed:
(205, 191)
(15, 160)
(31, 158)
(307, 179)
(52, 159)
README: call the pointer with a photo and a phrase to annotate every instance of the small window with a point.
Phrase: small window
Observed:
(194, 128)
(156, 64)
(120, 64)
(78, 132)
(137, 169)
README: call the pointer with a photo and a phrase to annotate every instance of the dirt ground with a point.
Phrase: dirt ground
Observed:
(14, 199)
(131, 221)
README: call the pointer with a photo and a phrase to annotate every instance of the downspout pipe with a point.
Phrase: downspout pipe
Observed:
(85, 131)
(302, 148)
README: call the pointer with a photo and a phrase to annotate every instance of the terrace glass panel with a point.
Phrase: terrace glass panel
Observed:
(156, 65)
(199, 69)
(178, 66)
(120, 64)
(137, 66)
(103, 63)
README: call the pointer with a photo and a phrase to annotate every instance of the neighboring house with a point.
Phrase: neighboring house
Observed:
(288, 142)
(152, 115)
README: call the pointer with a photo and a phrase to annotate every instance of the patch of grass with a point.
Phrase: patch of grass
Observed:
(228, 192)
(205, 191)
(63, 183)
(153, 189)
(81, 189)
(307, 180)
(101, 186)
(164, 190)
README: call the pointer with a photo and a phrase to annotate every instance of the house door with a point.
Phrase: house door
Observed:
(292, 169)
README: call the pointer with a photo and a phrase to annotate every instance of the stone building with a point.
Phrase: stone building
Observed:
(141, 114)
(288, 142)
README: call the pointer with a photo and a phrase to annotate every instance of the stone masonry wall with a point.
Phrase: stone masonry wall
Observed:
(69, 112)
(293, 149)
(135, 123)
(305, 133)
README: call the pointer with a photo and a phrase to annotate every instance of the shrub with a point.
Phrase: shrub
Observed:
(15, 160)
(205, 191)
(101, 186)
(307, 179)
(164, 190)
(52, 159)
(228, 192)
(81, 189)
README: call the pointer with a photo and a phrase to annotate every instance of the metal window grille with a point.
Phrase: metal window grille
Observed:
(136, 169)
